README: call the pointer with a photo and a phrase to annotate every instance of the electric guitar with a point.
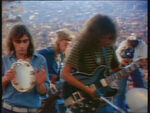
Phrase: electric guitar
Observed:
(75, 96)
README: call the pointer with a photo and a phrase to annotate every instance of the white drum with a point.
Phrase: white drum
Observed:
(25, 76)
(137, 99)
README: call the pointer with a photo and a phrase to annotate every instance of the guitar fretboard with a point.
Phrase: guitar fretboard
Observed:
(124, 72)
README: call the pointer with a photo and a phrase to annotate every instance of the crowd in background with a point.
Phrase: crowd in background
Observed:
(44, 18)
(130, 18)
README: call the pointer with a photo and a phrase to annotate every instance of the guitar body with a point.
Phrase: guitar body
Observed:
(75, 97)
(90, 80)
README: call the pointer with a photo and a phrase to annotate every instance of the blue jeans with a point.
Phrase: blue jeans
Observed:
(105, 109)
(60, 108)
(138, 78)
(120, 98)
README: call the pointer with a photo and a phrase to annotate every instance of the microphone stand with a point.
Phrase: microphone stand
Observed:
(110, 103)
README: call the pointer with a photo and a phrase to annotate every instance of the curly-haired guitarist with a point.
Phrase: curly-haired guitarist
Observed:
(94, 58)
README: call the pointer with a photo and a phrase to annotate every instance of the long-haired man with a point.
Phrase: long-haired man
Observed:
(20, 46)
(93, 51)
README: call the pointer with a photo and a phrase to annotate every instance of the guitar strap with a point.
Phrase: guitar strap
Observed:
(107, 61)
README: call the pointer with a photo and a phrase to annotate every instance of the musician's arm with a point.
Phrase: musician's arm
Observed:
(42, 89)
(42, 81)
(10, 74)
(117, 69)
(67, 75)
(5, 81)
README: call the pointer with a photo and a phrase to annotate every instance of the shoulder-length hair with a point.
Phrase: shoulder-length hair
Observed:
(17, 32)
(62, 34)
(96, 29)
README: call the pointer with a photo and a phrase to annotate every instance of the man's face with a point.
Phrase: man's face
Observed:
(106, 41)
(21, 45)
(64, 44)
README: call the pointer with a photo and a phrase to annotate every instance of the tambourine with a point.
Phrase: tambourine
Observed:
(25, 76)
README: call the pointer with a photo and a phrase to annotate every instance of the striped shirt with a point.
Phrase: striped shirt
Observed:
(88, 61)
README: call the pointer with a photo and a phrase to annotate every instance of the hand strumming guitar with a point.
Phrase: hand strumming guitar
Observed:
(92, 92)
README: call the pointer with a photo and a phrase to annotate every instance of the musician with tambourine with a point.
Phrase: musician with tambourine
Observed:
(91, 89)
(24, 74)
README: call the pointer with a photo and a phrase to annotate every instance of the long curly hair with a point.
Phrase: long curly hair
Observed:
(96, 29)
(17, 32)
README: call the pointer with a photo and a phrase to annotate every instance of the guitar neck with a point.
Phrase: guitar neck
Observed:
(124, 72)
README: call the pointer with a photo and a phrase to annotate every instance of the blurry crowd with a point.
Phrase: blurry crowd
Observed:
(64, 43)
(130, 17)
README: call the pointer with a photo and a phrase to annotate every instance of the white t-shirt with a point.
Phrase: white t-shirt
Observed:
(140, 50)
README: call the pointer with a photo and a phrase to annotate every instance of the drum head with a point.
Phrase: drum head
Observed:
(25, 76)
(137, 99)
